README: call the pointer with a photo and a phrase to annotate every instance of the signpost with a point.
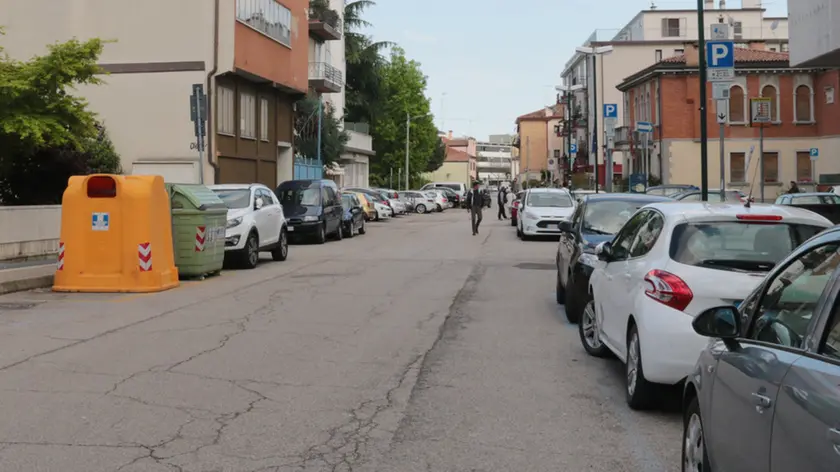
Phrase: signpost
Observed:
(721, 113)
(815, 154)
(720, 32)
(720, 57)
(198, 115)
(610, 120)
(646, 128)
(760, 114)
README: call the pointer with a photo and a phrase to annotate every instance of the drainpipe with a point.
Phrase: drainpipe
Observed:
(211, 88)
(661, 121)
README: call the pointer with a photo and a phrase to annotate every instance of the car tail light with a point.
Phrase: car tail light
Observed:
(668, 289)
(759, 217)
(445, 200)
(387, 202)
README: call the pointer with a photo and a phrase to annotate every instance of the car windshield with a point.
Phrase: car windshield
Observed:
(667, 191)
(235, 199)
(608, 216)
(816, 200)
(737, 246)
(550, 199)
(301, 196)
(347, 202)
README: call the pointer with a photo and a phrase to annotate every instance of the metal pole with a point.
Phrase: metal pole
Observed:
(761, 158)
(320, 115)
(722, 166)
(569, 135)
(399, 177)
(595, 115)
(407, 148)
(391, 179)
(704, 131)
(201, 130)
(644, 158)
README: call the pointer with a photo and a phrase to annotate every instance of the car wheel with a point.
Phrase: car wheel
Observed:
(640, 393)
(321, 237)
(694, 455)
(352, 229)
(420, 209)
(251, 252)
(439, 208)
(560, 292)
(513, 221)
(339, 233)
(590, 337)
(362, 229)
(281, 252)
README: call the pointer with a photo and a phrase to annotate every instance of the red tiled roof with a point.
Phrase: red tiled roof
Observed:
(455, 155)
(541, 115)
(743, 55)
(458, 142)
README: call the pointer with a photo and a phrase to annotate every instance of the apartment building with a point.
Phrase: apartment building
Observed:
(539, 136)
(652, 36)
(250, 55)
(459, 165)
(804, 110)
(495, 159)
(814, 32)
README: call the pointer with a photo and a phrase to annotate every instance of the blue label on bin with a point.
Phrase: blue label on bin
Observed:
(100, 222)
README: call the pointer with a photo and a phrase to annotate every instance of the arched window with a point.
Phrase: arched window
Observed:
(769, 91)
(736, 105)
(802, 103)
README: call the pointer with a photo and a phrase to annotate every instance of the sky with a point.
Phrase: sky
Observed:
(489, 61)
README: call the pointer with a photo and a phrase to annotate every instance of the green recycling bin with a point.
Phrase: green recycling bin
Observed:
(199, 217)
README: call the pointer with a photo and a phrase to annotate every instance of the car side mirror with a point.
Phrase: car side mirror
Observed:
(565, 226)
(259, 203)
(722, 322)
(604, 251)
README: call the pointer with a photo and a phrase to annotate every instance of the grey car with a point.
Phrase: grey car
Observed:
(765, 394)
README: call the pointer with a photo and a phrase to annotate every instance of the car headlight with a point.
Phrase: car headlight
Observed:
(588, 258)
(310, 218)
(234, 222)
(530, 215)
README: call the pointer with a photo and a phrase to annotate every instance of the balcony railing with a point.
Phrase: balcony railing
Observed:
(325, 78)
(363, 128)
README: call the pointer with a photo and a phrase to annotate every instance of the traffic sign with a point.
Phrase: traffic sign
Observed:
(573, 148)
(720, 58)
(720, 32)
(720, 90)
(552, 163)
(760, 110)
(815, 154)
(722, 112)
(610, 110)
(644, 127)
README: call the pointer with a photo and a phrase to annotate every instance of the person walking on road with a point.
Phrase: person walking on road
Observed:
(475, 205)
(502, 200)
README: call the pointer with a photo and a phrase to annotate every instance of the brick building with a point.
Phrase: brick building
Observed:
(804, 108)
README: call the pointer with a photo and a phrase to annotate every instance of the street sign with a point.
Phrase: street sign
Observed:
(720, 90)
(573, 148)
(720, 32)
(815, 154)
(760, 109)
(720, 58)
(610, 130)
(644, 127)
(198, 110)
(610, 110)
(552, 163)
(722, 112)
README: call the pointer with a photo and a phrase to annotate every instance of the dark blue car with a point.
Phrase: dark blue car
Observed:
(353, 216)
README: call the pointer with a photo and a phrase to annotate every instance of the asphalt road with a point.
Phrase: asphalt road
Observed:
(416, 347)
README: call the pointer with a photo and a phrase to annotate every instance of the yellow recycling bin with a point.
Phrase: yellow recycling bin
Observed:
(116, 235)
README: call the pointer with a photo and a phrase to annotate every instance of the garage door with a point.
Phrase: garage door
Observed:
(234, 170)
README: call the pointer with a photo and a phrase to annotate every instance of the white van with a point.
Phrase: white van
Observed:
(459, 187)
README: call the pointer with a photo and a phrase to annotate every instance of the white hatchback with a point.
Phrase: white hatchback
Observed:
(667, 264)
(541, 210)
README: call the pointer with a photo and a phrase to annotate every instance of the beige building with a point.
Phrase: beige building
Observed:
(539, 138)
(814, 32)
(651, 36)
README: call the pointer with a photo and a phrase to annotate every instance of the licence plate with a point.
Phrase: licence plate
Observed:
(291, 228)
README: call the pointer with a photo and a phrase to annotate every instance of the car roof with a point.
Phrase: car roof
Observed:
(704, 211)
(627, 197)
(810, 194)
(548, 190)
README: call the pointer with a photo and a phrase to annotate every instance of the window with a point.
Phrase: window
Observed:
(673, 27)
(772, 49)
(769, 91)
(225, 112)
(268, 17)
(803, 166)
(264, 119)
(785, 47)
(679, 52)
(802, 103)
(648, 235)
(831, 346)
(557, 153)
(736, 105)
(624, 239)
(737, 30)
(657, 55)
(786, 308)
(829, 95)
(771, 166)
(247, 116)
(737, 167)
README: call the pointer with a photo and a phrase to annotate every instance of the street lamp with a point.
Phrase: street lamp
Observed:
(567, 90)
(595, 52)
(408, 119)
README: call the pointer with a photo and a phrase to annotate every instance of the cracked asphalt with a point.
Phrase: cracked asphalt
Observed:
(416, 347)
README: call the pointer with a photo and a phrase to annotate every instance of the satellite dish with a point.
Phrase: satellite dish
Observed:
(774, 25)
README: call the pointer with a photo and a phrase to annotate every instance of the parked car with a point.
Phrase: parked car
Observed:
(255, 223)
(826, 204)
(313, 208)
(407, 201)
(514, 207)
(421, 202)
(579, 195)
(383, 211)
(458, 187)
(669, 263)
(393, 198)
(441, 202)
(453, 198)
(541, 211)
(713, 196)
(367, 205)
(764, 395)
(670, 190)
(353, 217)
(596, 219)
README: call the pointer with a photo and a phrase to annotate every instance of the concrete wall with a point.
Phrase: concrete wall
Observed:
(814, 32)
(29, 231)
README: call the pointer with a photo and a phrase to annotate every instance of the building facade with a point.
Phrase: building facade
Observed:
(804, 108)
(495, 159)
(814, 32)
(251, 56)
(459, 166)
(539, 137)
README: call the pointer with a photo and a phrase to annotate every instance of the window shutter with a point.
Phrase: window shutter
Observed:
(683, 27)
(665, 28)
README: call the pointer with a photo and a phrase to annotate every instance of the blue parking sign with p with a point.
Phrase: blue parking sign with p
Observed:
(610, 110)
(573, 148)
(720, 54)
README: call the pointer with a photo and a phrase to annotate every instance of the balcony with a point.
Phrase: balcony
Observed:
(360, 140)
(324, 23)
(324, 78)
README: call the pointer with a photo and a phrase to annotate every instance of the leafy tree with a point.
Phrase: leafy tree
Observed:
(437, 157)
(402, 91)
(47, 134)
(364, 61)
(333, 138)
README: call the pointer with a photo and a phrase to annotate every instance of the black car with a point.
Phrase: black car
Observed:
(312, 208)
(450, 195)
(353, 218)
(596, 219)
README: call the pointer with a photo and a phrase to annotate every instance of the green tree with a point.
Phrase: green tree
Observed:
(364, 61)
(437, 157)
(403, 88)
(47, 133)
(333, 138)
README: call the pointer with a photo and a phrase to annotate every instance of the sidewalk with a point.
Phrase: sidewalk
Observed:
(19, 276)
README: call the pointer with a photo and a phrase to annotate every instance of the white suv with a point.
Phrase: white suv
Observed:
(255, 223)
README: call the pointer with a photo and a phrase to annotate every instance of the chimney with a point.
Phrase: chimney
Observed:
(710, 4)
(722, 5)
(692, 58)
(757, 45)
(449, 135)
